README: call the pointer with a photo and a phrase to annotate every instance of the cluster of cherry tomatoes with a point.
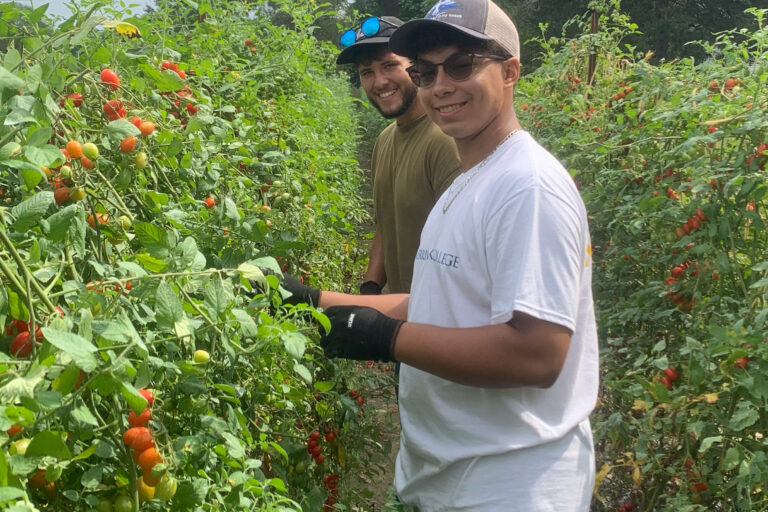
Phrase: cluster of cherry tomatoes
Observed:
(314, 448)
(670, 376)
(331, 482)
(152, 484)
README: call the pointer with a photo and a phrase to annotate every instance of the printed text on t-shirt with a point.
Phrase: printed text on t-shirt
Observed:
(439, 257)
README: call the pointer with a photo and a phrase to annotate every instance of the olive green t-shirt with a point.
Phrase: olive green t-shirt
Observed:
(411, 167)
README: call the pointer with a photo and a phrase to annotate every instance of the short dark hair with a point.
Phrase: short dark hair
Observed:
(370, 52)
(437, 37)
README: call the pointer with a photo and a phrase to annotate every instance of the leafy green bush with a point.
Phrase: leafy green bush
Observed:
(671, 162)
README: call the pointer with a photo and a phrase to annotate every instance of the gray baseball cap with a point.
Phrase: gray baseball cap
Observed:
(478, 19)
(388, 25)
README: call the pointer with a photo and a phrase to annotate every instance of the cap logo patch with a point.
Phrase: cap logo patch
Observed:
(440, 7)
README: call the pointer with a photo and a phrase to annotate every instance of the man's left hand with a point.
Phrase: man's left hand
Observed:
(361, 333)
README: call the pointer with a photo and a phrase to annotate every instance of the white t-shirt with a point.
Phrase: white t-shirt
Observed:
(515, 238)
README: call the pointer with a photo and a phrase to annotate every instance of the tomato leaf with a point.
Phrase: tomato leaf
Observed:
(152, 238)
(49, 444)
(121, 129)
(59, 222)
(8, 494)
(10, 81)
(303, 372)
(29, 212)
(78, 348)
(295, 344)
(168, 308)
(165, 81)
(135, 400)
(9, 151)
(248, 327)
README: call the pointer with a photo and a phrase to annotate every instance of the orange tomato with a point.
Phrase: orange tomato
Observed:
(149, 458)
(74, 149)
(139, 420)
(127, 144)
(146, 128)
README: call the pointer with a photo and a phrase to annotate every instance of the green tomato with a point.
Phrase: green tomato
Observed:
(66, 171)
(20, 446)
(123, 504)
(125, 222)
(140, 160)
(90, 150)
(166, 488)
(201, 356)
(104, 505)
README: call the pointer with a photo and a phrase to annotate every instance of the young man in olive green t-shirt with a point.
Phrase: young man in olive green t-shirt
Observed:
(413, 161)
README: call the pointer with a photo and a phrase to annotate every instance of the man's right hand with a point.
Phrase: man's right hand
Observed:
(300, 293)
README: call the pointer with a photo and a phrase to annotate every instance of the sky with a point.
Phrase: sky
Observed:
(59, 7)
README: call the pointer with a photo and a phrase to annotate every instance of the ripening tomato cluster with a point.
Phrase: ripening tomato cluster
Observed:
(331, 483)
(627, 507)
(354, 395)
(314, 448)
(684, 301)
(695, 476)
(22, 343)
(670, 376)
(139, 438)
(626, 91)
(692, 224)
(172, 66)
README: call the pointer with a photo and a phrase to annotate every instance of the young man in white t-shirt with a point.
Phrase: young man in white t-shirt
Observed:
(497, 338)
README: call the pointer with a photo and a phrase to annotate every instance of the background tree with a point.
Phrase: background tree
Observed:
(665, 25)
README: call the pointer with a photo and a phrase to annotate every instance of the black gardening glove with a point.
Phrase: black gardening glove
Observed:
(361, 333)
(300, 293)
(370, 288)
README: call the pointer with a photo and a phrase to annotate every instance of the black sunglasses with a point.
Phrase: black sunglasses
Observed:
(458, 66)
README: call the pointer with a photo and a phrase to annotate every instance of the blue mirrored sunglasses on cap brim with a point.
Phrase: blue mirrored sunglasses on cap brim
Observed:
(369, 28)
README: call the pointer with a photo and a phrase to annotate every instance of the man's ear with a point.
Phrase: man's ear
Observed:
(511, 70)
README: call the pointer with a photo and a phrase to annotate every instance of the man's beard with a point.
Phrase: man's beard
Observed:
(409, 96)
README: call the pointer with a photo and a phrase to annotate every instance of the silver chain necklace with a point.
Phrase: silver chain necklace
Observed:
(454, 195)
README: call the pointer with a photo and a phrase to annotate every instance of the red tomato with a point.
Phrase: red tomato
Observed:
(21, 345)
(141, 419)
(76, 97)
(109, 77)
(740, 363)
(127, 144)
(149, 458)
(210, 202)
(671, 374)
(146, 393)
(132, 433)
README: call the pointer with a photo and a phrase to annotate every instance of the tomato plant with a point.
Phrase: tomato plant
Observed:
(669, 163)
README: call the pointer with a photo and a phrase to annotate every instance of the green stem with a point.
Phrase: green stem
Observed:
(40, 292)
(13, 278)
(106, 182)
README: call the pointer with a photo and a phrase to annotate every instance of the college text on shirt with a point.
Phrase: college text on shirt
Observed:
(439, 257)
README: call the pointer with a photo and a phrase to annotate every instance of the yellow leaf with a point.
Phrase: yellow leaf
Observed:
(602, 474)
(637, 477)
(710, 398)
(639, 405)
(123, 28)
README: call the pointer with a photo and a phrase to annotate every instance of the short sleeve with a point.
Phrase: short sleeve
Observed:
(444, 164)
(535, 257)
